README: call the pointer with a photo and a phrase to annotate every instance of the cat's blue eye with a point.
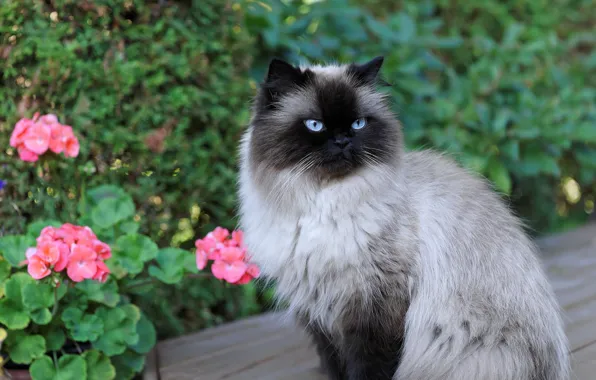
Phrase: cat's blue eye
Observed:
(359, 123)
(314, 125)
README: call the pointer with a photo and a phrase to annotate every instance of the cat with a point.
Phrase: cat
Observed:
(400, 265)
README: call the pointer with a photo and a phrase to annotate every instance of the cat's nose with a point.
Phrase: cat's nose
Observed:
(343, 142)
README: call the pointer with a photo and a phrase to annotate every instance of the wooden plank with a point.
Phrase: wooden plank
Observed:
(584, 363)
(151, 370)
(269, 347)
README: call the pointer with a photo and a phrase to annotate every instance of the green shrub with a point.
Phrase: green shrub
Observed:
(157, 93)
(507, 87)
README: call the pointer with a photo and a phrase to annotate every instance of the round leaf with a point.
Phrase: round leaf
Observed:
(99, 366)
(24, 348)
(110, 211)
(55, 339)
(88, 329)
(106, 293)
(120, 329)
(13, 248)
(70, 367)
(41, 316)
(132, 251)
(147, 336)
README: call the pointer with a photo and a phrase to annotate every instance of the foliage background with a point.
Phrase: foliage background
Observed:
(159, 91)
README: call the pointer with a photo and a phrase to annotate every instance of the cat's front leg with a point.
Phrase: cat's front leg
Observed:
(369, 356)
(331, 363)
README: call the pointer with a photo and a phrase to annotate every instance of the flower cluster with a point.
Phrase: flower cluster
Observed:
(228, 253)
(69, 247)
(33, 137)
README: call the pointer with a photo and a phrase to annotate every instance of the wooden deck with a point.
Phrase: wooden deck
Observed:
(268, 348)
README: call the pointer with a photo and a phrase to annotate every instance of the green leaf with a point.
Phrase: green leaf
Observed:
(585, 132)
(534, 162)
(70, 367)
(88, 329)
(106, 192)
(34, 229)
(24, 348)
(55, 339)
(106, 293)
(511, 150)
(406, 27)
(132, 251)
(110, 211)
(4, 271)
(171, 265)
(43, 369)
(128, 364)
(130, 227)
(37, 296)
(147, 336)
(82, 327)
(14, 314)
(119, 329)
(72, 316)
(500, 122)
(99, 366)
(13, 248)
(499, 174)
(41, 316)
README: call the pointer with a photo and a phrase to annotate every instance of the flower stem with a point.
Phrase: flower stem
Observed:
(56, 362)
(77, 346)
(55, 308)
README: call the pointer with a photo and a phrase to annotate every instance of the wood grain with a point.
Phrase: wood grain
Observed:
(268, 347)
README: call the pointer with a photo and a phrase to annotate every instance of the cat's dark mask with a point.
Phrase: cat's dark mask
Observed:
(330, 120)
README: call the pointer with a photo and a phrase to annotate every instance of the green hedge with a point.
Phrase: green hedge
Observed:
(157, 93)
(507, 87)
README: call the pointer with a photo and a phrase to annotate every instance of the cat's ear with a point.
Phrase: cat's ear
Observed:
(368, 72)
(283, 71)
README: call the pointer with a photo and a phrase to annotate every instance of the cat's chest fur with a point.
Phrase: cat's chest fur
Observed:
(330, 249)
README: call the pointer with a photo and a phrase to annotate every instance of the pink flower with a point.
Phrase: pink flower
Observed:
(102, 272)
(48, 231)
(33, 137)
(230, 254)
(201, 257)
(237, 238)
(37, 138)
(82, 263)
(48, 252)
(103, 250)
(210, 246)
(252, 271)
(58, 138)
(64, 257)
(230, 262)
(71, 147)
(30, 252)
(20, 129)
(38, 268)
(231, 272)
(220, 234)
(48, 119)
(27, 155)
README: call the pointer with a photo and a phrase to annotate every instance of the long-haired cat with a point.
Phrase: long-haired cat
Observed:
(401, 265)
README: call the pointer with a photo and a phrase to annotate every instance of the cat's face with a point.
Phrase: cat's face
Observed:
(328, 121)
